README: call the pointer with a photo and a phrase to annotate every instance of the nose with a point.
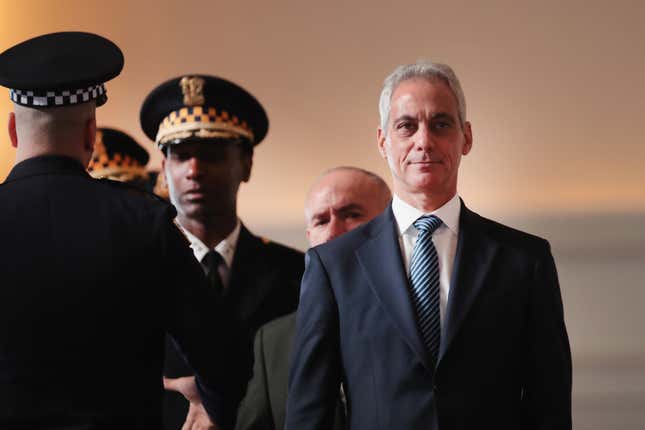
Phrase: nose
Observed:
(194, 168)
(424, 141)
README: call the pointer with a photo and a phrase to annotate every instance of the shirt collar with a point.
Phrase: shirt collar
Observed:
(226, 248)
(405, 214)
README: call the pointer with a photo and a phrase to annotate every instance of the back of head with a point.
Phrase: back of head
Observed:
(60, 131)
(56, 81)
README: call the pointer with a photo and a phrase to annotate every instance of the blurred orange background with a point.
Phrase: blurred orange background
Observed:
(555, 95)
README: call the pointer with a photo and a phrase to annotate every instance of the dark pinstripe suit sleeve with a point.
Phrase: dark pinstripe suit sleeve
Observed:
(546, 399)
(315, 367)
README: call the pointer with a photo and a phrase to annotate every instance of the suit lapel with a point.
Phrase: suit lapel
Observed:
(245, 289)
(380, 257)
(475, 253)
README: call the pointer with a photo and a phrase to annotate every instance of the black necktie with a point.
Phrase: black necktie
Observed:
(210, 264)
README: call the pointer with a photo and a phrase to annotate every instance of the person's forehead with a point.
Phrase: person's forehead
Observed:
(342, 188)
(413, 92)
(200, 146)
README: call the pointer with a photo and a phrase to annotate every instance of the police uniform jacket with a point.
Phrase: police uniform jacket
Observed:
(86, 265)
(264, 285)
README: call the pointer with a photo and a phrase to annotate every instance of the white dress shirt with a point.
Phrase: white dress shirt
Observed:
(226, 248)
(444, 239)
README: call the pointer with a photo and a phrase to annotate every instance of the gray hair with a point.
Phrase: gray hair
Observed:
(424, 70)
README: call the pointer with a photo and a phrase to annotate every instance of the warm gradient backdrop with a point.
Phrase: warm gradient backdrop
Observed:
(555, 94)
(555, 89)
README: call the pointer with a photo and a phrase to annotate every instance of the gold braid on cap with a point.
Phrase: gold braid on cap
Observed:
(197, 120)
(123, 168)
(202, 122)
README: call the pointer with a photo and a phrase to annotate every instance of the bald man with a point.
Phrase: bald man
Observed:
(88, 264)
(342, 199)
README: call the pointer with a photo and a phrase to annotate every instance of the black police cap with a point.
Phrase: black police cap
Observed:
(117, 156)
(60, 69)
(202, 107)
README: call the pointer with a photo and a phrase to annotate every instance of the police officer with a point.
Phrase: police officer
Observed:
(88, 264)
(207, 128)
(119, 157)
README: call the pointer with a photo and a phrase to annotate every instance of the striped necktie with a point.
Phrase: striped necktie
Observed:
(424, 281)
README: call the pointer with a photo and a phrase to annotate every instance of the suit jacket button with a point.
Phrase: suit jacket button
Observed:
(435, 388)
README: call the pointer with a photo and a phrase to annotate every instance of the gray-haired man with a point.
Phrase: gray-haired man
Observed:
(432, 316)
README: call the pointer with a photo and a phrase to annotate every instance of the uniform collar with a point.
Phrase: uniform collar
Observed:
(226, 248)
(405, 214)
(46, 164)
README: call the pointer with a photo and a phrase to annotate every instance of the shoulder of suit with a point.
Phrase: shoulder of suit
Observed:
(279, 250)
(279, 326)
(350, 241)
(131, 190)
(512, 237)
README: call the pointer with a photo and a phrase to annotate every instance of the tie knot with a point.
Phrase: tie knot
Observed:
(428, 224)
(211, 260)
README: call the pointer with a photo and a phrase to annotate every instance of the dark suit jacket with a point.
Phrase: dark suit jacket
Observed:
(86, 265)
(264, 285)
(504, 361)
(265, 402)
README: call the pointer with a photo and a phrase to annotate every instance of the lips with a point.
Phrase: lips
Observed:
(196, 194)
(428, 162)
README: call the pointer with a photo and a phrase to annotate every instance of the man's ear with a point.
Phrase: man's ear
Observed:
(90, 135)
(381, 138)
(468, 135)
(11, 128)
(247, 165)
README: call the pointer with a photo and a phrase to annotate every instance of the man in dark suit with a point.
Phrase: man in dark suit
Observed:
(88, 264)
(207, 128)
(341, 199)
(432, 316)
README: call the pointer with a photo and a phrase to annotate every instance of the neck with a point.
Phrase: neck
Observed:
(425, 202)
(24, 152)
(210, 231)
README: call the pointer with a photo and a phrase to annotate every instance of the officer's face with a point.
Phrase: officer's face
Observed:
(203, 177)
(340, 202)
(424, 140)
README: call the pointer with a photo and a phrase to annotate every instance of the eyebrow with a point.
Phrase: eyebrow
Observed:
(442, 115)
(404, 118)
(350, 207)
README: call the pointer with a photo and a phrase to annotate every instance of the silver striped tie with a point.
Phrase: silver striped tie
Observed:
(424, 281)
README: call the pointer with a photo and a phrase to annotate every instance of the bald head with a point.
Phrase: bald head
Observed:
(68, 130)
(342, 199)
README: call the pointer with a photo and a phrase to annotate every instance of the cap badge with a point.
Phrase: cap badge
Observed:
(193, 89)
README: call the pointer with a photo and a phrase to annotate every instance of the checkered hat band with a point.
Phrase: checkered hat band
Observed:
(195, 118)
(57, 98)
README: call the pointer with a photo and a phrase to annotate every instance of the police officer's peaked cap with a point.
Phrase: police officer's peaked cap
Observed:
(117, 156)
(202, 107)
(60, 69)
